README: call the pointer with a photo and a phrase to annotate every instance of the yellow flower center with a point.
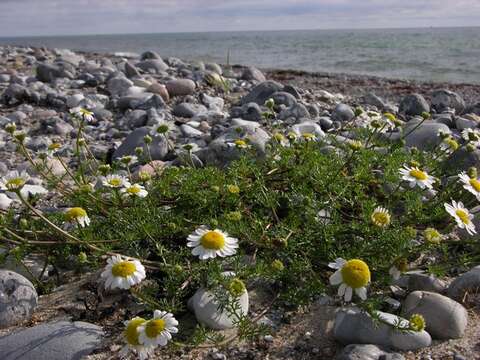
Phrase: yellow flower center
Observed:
(115, 182)
(279, 137)
(463, 215)
(15, 183)
(123, 269)
(418, 174)
(154, 327)
(432, 236)
(234, 189)
(381, 218)
(417, 322)
(475, 184)
(308, 136)
(131, 332)
(213, 240)
(355, 273)
(452, 144)
(240, 143)
(54, 146)
(75, 213)
(134, 190)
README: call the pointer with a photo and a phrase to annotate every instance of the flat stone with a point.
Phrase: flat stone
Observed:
(60, 340)
(368, 352)
(413, 105)
(355, 327)
(251, 73)
(424, 135)
(180, 87)
(445, 318)
(18, 299)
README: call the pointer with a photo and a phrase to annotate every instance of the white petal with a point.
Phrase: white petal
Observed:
(348, 294)
(336, 278)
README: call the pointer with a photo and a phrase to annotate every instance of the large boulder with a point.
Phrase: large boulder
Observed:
(60, 340)
(445, 318)
(445, 99)
(356, 327)
(18, 299)
(413, 105)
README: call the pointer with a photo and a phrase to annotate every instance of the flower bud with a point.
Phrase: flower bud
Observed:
(104, 169)
(10, 128)
(20, 136)
(236, 287)
(139, 151)
(147, 139)
(358, 111)
(471, 147)
(270, 103)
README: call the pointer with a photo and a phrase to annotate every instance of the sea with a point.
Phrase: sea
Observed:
(426, 54)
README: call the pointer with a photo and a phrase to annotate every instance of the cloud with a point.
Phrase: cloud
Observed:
(40, 17)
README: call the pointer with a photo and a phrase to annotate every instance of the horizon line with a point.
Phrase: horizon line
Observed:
(238, 31)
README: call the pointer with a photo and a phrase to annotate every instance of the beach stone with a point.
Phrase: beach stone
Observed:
(152, 168)
(253, 74)
(297, 111)
(262, 92)
(150, 55)
(60, 340)
(74, 100)
(181, 87)
(131, 71)
(250, 111)
(5, 201)
(368, 352)
(308, 127)
(373, 99)
(190, 132)
(214, 67)
(158, 147)
(445, 99)
(462, 160)
(325, 123)
(467, 282)
(155, 66)
(119, 85)
(159, 89)
(464, 123)
(445, 318)
(445, 118)
(343, 113)
(137, 118)
(413, 105)
(49, 72)
(16, 93)
(220, 153)
(206, 310)
(424, 135)
(188, 110)
(425, 282)
(355, 327)
(18, 299)
(284, 98)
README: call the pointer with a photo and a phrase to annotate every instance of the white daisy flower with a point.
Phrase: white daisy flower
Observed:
(461, 215)
(53, 148)
(470, 184)
(352, 275)
(122, 273)
(135, 190)
(115, 181)
(159, 330)
(77, 215)
(399, 267)
(131, 335)
(82, 113)
(239, 144)
(381, 217)
(128, 159)
(395, 273)
(307, 137)
(417, 177)
(211, 243)
(323, 217)
(472, 136)
(163, 127)
(14, 180)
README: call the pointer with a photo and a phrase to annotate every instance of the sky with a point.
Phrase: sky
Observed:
(69, 17)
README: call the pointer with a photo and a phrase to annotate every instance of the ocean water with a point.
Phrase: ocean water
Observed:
(431, 54)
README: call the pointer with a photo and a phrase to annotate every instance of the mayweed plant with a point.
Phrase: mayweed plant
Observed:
(316, 214)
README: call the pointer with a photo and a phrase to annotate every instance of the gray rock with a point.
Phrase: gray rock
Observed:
(467, 282)
(343, 112)
(284, 98)
(367, 352)
(219, 152)
(158, 147)
(206, 310)
(413, 105)
(356, 327)
(463, 123)
(190, 132)
(18, 299)
(425, 282)
(462, 160)
(297, 111)
(49, 72)
(308, 127)
(445, 318)
(424, 135)
(445, 99)
(251, 73)
(60, 340)
(137, 118)
(373, 99)
(325, 123)
(131, 71)
(262, 92)
(119, 85)
(188, 110)
(150, 55)
(213, 103)
(74, 100)
(250, 111)
(155, 66)
(445, 118)
(181, 87)
(16, 93)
